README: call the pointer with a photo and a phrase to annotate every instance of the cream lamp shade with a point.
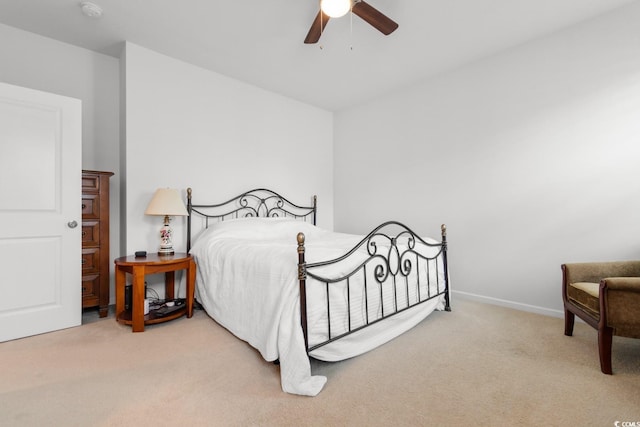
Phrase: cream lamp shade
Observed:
(166, 202)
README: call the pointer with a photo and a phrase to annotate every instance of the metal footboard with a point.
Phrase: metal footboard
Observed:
(389, 271)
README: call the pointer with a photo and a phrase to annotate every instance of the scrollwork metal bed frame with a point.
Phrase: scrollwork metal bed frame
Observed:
(393, 257)
(259, 202)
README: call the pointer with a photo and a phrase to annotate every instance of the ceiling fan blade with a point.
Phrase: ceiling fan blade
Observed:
(374, 17)
(317, 28)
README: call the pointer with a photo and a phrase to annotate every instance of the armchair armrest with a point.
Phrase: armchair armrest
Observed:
(620, 305)
(625, 284)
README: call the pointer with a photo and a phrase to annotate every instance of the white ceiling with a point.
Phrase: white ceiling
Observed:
(261, 41)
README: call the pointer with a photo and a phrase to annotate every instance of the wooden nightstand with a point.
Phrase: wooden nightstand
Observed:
(138, 267)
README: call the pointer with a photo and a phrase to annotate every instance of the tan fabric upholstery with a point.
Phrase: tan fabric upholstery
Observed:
(606, 295)
(623, 305)
(596, 271)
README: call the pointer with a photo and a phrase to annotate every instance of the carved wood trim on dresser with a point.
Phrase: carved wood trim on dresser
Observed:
(95, 240)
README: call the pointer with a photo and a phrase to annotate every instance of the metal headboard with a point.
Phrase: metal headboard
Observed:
(260, 202)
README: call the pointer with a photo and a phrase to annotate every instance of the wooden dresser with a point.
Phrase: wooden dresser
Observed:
(95, 240)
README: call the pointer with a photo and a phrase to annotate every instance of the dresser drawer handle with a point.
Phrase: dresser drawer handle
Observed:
(84, 233)
(84, 206)
(83, 261)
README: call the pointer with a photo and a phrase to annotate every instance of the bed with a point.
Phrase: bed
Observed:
(341, 296)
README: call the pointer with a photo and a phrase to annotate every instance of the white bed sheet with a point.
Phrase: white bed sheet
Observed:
(247, 280)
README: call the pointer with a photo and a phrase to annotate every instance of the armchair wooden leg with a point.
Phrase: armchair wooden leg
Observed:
(569, 319)
(605, 341)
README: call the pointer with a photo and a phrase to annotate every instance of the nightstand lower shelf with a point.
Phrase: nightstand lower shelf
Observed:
(151, 319)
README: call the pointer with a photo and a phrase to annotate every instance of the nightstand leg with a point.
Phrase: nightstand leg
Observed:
(191, 286)
(137, 312)
(120, 283)
(169, 285)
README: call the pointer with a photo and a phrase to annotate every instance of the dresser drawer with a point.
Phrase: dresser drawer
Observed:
(90, 206)
(90, 285)
(90, 233)
(90, 260)
(90, 182)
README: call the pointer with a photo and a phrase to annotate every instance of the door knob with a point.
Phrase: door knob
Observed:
(72, 224)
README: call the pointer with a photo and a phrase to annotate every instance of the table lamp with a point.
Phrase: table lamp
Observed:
(166, 202)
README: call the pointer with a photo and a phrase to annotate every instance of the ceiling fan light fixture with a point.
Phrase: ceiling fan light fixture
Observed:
(335, 8)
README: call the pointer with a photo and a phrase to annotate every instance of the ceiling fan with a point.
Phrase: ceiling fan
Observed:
(358, 7)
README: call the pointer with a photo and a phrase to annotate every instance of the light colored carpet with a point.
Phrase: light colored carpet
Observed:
(477, 365)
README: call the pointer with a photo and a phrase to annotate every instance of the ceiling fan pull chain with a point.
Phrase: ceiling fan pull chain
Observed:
(351, 28)
(321, 29)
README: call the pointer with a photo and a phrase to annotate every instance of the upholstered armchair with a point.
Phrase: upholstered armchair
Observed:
(606, 295)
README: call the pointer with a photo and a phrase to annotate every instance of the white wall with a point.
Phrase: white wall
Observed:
(45, 64)
(189, 127)
(530, 157)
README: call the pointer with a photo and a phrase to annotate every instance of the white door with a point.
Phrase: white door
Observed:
(40, 213)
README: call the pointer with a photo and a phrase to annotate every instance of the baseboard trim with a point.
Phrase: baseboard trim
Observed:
(506, 303)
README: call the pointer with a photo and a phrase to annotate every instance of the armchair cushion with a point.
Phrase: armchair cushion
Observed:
(586, 295)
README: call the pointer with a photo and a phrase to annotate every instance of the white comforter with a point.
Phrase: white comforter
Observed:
(247, 281)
